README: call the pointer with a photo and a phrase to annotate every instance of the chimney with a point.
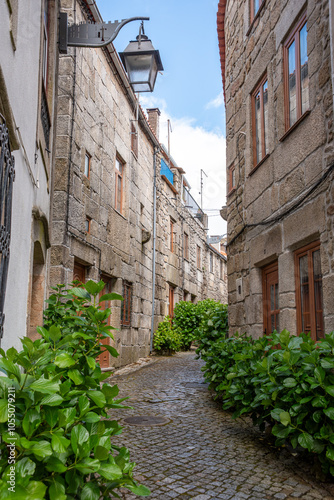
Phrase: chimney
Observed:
(153, 118)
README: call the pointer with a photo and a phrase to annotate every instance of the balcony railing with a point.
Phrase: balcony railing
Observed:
(166, 171)
(192, 205)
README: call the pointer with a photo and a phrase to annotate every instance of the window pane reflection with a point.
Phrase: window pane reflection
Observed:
(292, 85)
(304, 70)
(258, 127)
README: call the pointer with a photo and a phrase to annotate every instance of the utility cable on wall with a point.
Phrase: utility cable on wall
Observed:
(291, 209)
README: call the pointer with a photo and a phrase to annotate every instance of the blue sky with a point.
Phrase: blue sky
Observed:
(189, 92)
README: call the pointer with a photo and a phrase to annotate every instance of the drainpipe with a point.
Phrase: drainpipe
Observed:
(156, 150)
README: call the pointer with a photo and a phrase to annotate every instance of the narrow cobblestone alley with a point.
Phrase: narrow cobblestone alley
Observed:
(201, 453)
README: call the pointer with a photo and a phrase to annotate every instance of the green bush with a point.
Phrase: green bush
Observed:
(57, 438)
(186, 320)
(167, 338)
(282, 380)
(189, 316)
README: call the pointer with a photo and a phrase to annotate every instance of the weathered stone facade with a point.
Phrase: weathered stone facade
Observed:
(285, 202)
(103, 210)
(179, 268)
(94, 235)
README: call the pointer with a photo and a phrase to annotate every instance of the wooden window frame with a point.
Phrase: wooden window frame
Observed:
(171, 298)
(293, 37)
(134, 139)
(307, 250)
(171, 234)
(270, 269)
(126, 308)
(231, 179)
(198, 257)
(254, 15)
(186, 245)
(264, 132)
(119, 175)
(87, 156)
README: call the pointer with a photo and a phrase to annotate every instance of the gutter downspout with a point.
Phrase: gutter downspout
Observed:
(156, 150)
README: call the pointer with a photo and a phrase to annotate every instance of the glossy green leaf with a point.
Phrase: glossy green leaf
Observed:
(79, 435)
(59, 443)
(285, 418)
(57, 491)
(3, 410)
(97, 397)
(111, 296)
(76, 376)
(306, 440)
(45, 386)
(90, 491)
(52, 400)
(140, 491)
(329, 412)
(64, 360)
(110, 471)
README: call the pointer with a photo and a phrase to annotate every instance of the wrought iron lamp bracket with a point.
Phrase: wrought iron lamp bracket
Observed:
(88, 34)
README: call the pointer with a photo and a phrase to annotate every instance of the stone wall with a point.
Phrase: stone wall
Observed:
(175, 269)
(100, 125)
(278, 189)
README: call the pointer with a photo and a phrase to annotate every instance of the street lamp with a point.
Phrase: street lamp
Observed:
(142, 63)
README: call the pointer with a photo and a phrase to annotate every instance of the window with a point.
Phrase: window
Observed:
(231, 178)
(260, 121)
(221, 270)
(186, 246)
(211, 262)
(45, 42)
(87, 164)
(134, 139)
(126, 304)
(254, 8)
(119, 171)
(87, 225)
(171, 302)
(296, 80)
(270, 299)
(198, 257)
(171, 235)
(309, 291)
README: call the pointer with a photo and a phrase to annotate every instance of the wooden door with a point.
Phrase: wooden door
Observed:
(79, 272)
(104, 358)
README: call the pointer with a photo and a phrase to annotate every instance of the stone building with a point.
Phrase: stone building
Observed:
(187, 267)
(28, 70)
(105, 208)
(276, 67)
(103, 194)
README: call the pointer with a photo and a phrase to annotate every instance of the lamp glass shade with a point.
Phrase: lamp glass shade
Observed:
(142, 64)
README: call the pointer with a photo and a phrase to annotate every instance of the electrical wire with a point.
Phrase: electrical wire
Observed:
(291, 209)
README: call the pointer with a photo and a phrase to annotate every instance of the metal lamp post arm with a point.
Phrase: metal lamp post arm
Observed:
(90, 35)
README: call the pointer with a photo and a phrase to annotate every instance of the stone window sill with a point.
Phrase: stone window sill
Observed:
(233, 190)
(259, 164)
(295, 125)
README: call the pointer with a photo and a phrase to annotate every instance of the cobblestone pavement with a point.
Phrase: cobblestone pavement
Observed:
(201, 453)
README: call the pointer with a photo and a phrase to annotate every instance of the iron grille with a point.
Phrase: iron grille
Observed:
(7, 175)
(45, 117)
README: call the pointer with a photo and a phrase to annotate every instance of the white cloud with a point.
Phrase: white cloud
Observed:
(217, 102)
(194, 148)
